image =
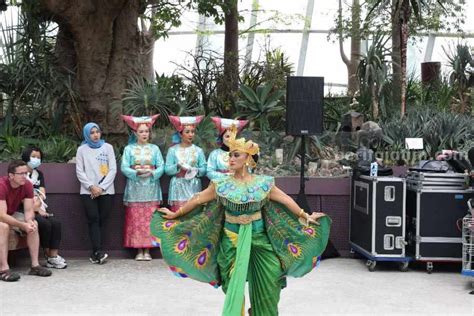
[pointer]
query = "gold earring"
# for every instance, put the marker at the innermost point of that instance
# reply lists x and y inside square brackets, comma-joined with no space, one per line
[246,164]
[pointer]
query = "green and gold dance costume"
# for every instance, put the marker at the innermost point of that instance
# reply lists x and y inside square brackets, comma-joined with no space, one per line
[242,236]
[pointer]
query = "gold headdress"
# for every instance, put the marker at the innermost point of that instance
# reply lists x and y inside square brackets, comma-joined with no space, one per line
[242,145]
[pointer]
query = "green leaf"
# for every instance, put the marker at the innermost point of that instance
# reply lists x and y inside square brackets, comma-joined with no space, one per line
[249,94]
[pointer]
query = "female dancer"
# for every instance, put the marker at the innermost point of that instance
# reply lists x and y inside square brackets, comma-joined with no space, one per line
[185,162]
[142,164]
[249,230]
[218,161]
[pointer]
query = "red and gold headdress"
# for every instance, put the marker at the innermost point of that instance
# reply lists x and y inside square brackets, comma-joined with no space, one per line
[243,145]
[135,121]
[179,122]
[222,124]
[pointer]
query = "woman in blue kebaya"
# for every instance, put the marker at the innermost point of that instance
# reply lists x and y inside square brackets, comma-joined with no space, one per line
[185,162]
[142,164]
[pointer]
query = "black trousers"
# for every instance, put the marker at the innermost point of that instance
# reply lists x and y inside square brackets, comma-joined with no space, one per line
[49,229]
[97,212]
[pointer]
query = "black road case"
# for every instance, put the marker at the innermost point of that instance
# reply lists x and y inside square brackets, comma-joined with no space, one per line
[433,224]
[437,181]
[377,219]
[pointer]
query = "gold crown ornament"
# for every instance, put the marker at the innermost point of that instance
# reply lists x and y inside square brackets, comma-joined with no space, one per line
[243,145]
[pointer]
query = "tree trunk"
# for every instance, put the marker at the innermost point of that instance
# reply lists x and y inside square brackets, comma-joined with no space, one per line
[66,64]
[64,50]
[353,82]
[375,102]
[405,15]
[146,46]
[353,63]
[465,101]
[104,34]
[396,49]
[231,57]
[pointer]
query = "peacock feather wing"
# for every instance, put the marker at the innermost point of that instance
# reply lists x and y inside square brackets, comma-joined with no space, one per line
[297,244]
[190,243]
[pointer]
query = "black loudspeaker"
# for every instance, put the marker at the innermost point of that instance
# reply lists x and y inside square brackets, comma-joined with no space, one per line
[304,110]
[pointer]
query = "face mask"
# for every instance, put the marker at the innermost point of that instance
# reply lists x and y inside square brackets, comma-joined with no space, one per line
[34,162]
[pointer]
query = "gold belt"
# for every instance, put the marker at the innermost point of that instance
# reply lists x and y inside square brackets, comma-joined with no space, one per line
[242,219]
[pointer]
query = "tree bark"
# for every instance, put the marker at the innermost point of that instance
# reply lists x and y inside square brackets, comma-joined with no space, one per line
[65,112]
[353,82]
[146,48]
[231,57]
[104,34]
[353,63]
[145,52]
[396,49]
[375,102]
[405,16]
[64,50]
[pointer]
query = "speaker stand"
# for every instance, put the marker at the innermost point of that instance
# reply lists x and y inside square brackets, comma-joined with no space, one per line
[301,200]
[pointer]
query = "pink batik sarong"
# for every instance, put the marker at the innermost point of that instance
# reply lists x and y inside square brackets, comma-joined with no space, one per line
[137,224]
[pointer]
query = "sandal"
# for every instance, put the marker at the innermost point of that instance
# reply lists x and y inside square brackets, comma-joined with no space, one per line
[40,271]
[9,276]
[147,257]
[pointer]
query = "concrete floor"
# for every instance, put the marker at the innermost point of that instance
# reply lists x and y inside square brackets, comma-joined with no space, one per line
[338,286]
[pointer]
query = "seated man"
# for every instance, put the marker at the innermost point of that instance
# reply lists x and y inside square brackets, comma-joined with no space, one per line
[14,189]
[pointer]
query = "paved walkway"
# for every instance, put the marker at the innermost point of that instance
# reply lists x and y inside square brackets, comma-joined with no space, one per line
[338,286]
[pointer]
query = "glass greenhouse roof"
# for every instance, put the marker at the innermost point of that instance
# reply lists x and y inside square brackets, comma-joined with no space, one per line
[281,24]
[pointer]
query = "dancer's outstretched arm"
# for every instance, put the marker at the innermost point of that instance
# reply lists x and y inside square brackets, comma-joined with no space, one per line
[202,197]
[279,196]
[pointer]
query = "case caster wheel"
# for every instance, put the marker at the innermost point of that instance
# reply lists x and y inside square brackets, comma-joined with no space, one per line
[429,267]
[371,265]
[403,266]
[353,254]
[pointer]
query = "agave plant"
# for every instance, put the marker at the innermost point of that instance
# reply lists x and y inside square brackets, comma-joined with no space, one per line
[447,131]
[261,105]
[439,130]
[182,98]
[440,98]
[462,74]
[146,98]
[11,147]
[206,134]
[58,149]
[373,71]
[55,148]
